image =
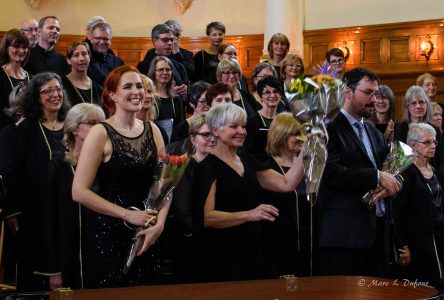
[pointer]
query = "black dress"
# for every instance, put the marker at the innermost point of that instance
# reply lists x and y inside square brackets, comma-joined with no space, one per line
[124,180]
[257,130]
[231,253]
[290,238]
[418,222]
[35,146]
[76,95]
[206,65]
[64,223]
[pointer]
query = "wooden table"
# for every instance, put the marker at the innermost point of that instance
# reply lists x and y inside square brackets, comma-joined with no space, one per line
[328,287]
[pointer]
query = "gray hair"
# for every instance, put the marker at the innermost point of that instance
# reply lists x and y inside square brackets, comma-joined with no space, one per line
[15,102]
[419,92]
[435,106]
[93,21]
[79,113]
[259,68]
[222,114]
[152,73]
[159,29]
[417,130]
[174,25]
[103,26]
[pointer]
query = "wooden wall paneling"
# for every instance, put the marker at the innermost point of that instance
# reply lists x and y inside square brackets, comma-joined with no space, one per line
[317,53]
[398,49]
[370,51]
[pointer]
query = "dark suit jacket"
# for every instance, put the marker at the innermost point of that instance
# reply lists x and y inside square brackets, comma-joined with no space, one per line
[344,221]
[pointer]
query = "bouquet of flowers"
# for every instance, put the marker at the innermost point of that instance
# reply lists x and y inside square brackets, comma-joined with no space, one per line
[316,98]
[169,170]
[401,156]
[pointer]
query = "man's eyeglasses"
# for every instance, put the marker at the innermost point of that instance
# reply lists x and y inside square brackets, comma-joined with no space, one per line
[30,29]
[102,39]
[337,62]
[369,94]
[228,73]
[167,40]
[428,143]
[50,91]
[205,135]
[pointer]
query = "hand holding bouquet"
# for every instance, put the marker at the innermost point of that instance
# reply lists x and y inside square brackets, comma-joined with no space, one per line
[168,172]
[401,156]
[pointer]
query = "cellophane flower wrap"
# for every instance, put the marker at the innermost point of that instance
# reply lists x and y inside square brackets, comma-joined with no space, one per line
[169,170]
[316,99]
[401,156]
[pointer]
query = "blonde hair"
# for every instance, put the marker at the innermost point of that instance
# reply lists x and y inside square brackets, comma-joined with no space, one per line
[79,113]
[228,65]
[277,37]
[148,84]
[421,78]
[288,60]
[283,126]
[196,122]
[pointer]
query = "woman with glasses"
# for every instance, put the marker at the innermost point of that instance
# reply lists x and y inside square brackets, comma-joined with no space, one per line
[261,71]
[278,48]
[384,112]
[430,85]
[336,60]
[229,51]
[169,108]
[80,87]
[14,52]
[64,217]
[228,200]
[206,60]
[269,89]
[188,235]
[197,103]
[121,154]
[229,72]
[417,213]
[38,141]
[292,68]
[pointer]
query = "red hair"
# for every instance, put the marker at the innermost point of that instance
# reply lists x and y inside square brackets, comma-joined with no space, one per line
[110,86]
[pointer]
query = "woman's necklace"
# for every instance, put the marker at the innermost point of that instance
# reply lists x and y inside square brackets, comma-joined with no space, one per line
[262,118]
[9,77]
[80,95]
[46,140]
[237,161]
[436,195]
[241,99]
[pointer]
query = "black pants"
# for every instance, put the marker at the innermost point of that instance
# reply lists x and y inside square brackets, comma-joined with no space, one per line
[351,261]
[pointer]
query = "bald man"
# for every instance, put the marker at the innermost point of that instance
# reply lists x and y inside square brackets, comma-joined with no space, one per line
[30,27]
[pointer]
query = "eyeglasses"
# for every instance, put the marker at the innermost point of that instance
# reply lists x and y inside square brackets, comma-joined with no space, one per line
[231,53]
[205,135]
[228,73]
[163,70]
[336,62]
[90,123]
[167,40]
[102,39]
[50,91]
[30,29]
[420,103]
[369,94]
[381,97]
[428,143]
[268,93]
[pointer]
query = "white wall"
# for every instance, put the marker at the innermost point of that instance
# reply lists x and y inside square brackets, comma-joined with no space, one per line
[321,14]
[135,18]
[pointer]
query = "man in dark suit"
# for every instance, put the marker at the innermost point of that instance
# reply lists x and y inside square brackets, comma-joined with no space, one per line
[351,236]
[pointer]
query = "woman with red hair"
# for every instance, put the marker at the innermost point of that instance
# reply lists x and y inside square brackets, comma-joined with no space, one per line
[121,154]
